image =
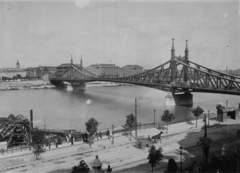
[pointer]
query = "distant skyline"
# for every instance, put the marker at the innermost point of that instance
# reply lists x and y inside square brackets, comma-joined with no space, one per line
[121,32]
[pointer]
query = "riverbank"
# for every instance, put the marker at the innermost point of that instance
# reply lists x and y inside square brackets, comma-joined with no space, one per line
[23,85]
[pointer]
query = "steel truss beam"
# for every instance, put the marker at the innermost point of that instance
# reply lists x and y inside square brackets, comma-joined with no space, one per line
[175,75]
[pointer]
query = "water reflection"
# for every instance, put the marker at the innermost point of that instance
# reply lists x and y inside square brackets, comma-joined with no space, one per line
[109,105]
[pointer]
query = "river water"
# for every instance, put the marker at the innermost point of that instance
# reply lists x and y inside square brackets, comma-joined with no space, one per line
[61,109]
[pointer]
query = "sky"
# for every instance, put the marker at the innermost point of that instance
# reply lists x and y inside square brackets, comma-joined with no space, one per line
[120,32]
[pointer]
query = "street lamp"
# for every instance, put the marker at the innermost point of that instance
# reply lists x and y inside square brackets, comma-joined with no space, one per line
[180,148]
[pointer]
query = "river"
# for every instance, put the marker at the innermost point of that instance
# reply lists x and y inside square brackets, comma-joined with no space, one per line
[61,109]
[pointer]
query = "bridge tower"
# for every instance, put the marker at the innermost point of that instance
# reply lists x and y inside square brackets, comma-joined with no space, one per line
[185,98]
[71,60]
[185,76]
[81,61]
[173,66]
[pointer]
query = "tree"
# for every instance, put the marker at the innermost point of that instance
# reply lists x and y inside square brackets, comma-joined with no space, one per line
[92,126]
[155,156]
[197,112]
[204,144]
[11,117]
[82,167]
[219,108]
[130,122]
[167,117]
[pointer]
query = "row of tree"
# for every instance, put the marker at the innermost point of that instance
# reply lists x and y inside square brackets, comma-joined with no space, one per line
[155,155]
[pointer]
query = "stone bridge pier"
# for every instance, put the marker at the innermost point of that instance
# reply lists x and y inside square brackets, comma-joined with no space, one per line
[78,86]
[59,84]
[185,99]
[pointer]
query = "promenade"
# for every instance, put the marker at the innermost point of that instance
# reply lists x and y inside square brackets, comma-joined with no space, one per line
[123,155]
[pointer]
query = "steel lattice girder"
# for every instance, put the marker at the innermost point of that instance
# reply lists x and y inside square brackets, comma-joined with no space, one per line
[175,75]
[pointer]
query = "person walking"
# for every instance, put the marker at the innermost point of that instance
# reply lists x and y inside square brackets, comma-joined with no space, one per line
[49,142]
[56,141]
[100,134]
[109,169]
[108,133]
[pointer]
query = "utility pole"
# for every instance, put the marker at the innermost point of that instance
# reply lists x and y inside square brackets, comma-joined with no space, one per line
[136,119]
[30,129]
[154,117]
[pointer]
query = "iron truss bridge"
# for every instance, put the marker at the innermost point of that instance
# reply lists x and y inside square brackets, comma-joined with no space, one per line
[176,75]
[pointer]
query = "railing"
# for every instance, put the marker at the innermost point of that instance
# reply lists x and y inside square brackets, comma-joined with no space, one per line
[13,149]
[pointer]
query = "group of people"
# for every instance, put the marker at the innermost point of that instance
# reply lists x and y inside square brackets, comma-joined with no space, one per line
[49,139]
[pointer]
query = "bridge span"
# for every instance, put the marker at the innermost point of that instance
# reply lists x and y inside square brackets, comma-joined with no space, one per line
[178,76]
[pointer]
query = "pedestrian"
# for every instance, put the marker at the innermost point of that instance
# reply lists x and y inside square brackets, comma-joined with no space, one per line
[67,138]
[108,133]
[49,142]
[96,135]
[149,138]
[56,141]
[87,136]
[83,137]
[109,169]
[100,134]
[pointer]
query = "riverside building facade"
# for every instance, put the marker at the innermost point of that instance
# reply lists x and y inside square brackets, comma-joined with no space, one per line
[11,72]
[104,70]
[129,70]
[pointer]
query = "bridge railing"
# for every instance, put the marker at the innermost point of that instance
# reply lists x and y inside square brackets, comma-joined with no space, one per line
[18,148]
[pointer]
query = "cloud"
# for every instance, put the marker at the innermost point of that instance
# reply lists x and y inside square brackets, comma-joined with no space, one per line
[82,3]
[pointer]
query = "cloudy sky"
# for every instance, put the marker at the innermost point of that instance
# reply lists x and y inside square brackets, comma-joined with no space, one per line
[119,31]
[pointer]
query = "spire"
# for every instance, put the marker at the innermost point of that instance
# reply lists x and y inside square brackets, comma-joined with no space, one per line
[186,51]
[172,50]
[173,44]
[17,64]
[81,61]
[71,60]
[186,45]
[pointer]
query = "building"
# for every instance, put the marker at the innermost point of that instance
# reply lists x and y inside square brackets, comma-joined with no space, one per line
[11,72]
[129,70]
[31,72]
[105,70]
[63,67]
[46,72]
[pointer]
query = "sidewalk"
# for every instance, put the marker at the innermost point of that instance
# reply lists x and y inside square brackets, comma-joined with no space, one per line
[67,150]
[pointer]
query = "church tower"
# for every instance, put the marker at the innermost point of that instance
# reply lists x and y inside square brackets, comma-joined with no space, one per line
[17,65]
[81,62]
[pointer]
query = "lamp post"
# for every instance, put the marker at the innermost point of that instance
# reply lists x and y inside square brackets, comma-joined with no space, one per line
[180,148]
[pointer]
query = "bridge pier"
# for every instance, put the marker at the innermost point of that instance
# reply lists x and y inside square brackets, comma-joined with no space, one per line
[58,84]
[78,86]
[185,99]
